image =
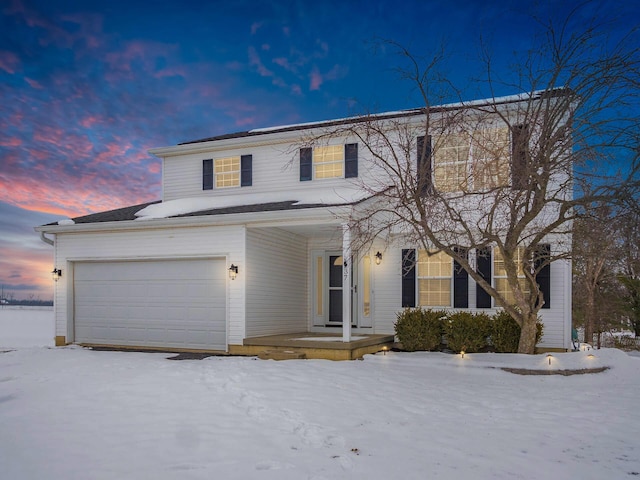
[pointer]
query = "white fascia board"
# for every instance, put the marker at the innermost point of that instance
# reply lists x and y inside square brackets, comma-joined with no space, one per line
[307,216]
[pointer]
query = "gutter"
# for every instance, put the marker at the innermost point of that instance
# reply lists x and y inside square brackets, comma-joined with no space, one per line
[45,239]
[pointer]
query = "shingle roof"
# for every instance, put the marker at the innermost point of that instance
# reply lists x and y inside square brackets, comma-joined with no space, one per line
[128,213]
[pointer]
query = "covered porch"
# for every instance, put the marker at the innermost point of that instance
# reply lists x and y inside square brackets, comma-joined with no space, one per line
[325,345]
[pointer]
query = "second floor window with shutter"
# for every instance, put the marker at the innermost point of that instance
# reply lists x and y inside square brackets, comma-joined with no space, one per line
[490,152]
[451,166]
[227,172]
[328,162]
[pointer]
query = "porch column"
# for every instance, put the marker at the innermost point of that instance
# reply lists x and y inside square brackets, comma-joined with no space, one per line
[346,283]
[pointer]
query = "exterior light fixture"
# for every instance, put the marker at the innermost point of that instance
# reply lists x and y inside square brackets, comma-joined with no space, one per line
[591,356]
[378,258]
[549,357]
[56,274]
[233,271]
[462,354]
[384,350]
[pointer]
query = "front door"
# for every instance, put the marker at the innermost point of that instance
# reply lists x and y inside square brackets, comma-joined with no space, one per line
[334,264]
[327,290]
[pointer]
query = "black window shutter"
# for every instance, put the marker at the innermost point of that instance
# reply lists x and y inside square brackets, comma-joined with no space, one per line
[207,174]
[246,173]
[425,185]
[351,160]
[519,157]
[408,278]
[543,278]
[483,262]
[460,282]
[305,164]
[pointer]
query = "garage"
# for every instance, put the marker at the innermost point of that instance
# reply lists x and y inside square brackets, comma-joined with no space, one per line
[158,303]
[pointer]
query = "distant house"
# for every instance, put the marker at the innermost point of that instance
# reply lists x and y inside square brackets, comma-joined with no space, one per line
[249,241]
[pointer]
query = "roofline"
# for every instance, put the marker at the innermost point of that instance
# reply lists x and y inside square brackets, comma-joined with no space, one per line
[504,100]
[323,215]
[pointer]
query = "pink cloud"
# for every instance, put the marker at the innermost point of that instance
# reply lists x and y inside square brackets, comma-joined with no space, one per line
[254,60]
[10,142]
[33,83]
[255,26]
[9,62]
[315,79]
[296,90]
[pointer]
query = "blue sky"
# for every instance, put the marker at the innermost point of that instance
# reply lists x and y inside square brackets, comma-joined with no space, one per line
[86,88]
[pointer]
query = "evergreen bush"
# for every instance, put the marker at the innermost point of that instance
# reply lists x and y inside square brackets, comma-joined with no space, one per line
[467,332]
[419,329]
[505,334]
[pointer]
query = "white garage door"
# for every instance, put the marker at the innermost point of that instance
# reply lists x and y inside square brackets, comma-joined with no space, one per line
[166,303]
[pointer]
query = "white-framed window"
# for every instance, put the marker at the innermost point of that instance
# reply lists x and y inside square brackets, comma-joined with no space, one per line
[227,172]
[500,275]
[476,161]
[435,277]
[451,162]
[490,151]
[328,161]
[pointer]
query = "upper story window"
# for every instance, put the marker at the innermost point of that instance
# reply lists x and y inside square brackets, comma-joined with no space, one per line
[227,172]
[331,161]
[451,172]
[490,151]
[328,161]
[472,162]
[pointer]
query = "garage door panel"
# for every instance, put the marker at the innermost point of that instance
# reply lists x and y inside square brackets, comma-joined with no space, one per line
[168,303]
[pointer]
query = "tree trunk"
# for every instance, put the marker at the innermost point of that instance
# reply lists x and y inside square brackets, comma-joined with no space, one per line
[528,335]
[589,320]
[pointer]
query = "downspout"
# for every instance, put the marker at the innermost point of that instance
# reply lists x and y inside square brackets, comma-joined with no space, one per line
[45,239]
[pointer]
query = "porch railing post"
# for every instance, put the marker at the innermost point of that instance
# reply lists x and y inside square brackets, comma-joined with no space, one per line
[346,283]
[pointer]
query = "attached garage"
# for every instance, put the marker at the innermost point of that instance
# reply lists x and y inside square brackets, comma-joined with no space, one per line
[156,303]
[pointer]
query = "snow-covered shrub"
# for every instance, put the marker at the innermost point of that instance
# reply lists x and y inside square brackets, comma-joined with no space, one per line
[419,329]
[467,332]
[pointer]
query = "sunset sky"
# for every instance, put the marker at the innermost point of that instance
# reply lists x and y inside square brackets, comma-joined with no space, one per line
[87,87]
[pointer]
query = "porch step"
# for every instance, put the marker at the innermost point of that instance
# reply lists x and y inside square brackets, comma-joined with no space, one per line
[281,355]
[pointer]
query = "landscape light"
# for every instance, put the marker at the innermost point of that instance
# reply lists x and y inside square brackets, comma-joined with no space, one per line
[462,354]
[549,357]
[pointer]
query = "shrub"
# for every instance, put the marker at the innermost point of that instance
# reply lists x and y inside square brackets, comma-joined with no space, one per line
[419,329]
[505,334]
[467,332]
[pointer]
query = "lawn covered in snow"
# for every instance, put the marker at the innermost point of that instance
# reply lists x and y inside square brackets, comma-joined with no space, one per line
[72,413]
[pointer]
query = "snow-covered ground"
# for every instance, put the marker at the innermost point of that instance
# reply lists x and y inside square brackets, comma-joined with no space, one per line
[71,413]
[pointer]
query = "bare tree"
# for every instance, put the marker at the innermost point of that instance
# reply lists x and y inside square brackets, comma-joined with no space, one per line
[507,174]
[596,249]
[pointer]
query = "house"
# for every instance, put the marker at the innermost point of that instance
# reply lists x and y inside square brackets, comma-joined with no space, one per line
[252,239]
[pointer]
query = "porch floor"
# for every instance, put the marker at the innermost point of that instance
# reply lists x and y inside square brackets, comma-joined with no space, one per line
[315,345]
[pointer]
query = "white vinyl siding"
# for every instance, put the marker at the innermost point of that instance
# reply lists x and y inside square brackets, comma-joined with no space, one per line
[276,282]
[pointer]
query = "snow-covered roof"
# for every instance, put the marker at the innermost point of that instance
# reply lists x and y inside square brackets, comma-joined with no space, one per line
[385,115]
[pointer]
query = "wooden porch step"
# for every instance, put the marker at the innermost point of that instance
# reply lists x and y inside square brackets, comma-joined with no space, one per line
[281,355]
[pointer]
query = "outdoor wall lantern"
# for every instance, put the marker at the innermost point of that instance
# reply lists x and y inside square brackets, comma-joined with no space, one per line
[56,274]
[378,258]
[233,271]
